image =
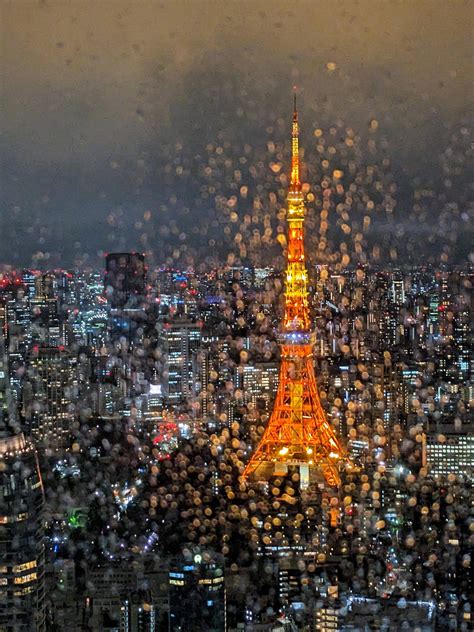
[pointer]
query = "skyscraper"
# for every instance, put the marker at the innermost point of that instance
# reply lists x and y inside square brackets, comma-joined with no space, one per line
[197,596]
[125,279]
[21,537]
[181,340]
[449,450]
[21,528]
[298,434]
[49,394]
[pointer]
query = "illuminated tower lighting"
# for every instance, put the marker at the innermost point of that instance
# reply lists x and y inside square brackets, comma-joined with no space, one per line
[298,434]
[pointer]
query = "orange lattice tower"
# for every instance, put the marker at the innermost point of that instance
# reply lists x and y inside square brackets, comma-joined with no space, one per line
[298,433]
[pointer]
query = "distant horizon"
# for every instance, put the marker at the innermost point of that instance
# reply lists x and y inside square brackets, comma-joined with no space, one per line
[6,269]
[133,134]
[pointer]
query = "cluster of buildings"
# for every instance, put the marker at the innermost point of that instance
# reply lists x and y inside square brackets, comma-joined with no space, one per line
[192,345]
[166,354]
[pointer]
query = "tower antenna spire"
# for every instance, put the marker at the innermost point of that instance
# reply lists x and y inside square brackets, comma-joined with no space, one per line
[295,184]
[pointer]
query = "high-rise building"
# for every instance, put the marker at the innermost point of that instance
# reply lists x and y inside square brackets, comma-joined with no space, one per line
[44,306]
[4,382]
[202,366]
[138,613]
[181,340]
[197,597]
[21,537]
[289,584]
[259,384]
[398,291]
[29,280]
[18,319]
[298,434]
[49,394]
[462,341]
[449,450]
[125,279]
[328,618]
[21,526]
[108,603]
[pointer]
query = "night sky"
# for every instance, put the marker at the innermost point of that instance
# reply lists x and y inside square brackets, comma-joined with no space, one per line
[112,111]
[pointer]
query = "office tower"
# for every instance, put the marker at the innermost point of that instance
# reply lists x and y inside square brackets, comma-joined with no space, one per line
[449,450]
[387,380]
[3,317]
[213,373]
[29,280]
[197,597]
[462,341]
[202,367]
[125,279]
[329,618]
[21,528]
[45,286]
[298,434]
[15,318]
[290,585]
[181,340]
[49,395]
[47,324]
[108,599]
[21,537]
[138,613]
[44,304]
[259,384]
[397,293]
[18,319]
[4,383]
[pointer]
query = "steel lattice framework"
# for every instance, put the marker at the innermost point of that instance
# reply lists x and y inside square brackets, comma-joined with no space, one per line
[298,433]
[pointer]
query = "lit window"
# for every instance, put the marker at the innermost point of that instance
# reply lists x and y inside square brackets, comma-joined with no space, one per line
[25,579]
[24,567]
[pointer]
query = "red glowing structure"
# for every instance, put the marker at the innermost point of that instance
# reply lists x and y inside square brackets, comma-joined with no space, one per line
[298,434]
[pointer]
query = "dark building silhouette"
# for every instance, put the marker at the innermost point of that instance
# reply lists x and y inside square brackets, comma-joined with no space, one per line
[125,279]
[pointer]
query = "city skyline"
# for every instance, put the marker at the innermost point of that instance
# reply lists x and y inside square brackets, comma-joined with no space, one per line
[236,371]
[138,434]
